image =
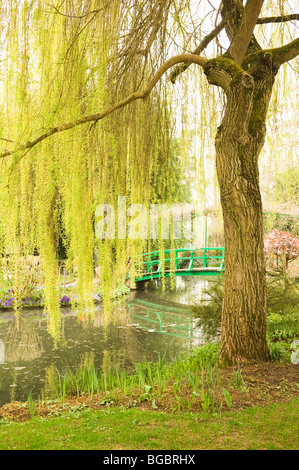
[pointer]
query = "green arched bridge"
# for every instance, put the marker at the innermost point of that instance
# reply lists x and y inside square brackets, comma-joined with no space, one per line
[180,262]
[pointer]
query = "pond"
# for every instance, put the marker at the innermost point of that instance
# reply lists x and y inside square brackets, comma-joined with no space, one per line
[144,324]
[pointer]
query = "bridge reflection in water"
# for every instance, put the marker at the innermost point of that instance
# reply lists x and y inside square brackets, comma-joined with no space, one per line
[165,319]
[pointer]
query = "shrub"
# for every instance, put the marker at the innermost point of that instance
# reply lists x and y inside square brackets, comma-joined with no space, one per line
[282,295]
[208,312]
[282,327]
[201,357]
[283,300]
[278,351]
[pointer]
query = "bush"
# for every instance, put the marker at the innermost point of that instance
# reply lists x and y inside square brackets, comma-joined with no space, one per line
[278,351]
[201,357]
[283,301]
[283,296]
[282,328]
[208,313]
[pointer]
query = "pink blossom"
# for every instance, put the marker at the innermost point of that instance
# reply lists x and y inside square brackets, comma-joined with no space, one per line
[282,245]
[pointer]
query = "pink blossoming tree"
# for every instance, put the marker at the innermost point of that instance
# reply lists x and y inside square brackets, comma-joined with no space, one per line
[282,247]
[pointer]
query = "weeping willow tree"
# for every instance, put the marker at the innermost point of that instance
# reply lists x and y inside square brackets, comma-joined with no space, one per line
[88,114]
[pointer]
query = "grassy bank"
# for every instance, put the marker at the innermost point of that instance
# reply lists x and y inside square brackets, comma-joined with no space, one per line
[189,403]
[270,427]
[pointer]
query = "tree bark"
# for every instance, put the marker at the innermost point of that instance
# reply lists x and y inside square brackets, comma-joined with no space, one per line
[239,141]
[244,311]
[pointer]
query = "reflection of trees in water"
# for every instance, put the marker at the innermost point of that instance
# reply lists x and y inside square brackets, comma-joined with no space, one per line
[13,386]
[2,352]
[117,315]
[87,360]
[124,350]
[134,342]
[49,389]
[133,348]
[22,342]
[129,348]
[122,347]
[126,353]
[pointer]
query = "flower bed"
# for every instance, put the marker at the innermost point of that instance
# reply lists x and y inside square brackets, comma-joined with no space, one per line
[36,299]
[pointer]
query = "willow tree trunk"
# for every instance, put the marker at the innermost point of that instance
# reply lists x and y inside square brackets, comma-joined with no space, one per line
[239,141]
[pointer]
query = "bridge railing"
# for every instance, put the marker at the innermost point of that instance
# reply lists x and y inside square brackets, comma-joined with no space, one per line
[177,257]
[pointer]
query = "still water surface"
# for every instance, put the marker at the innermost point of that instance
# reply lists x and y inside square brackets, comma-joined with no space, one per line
[145,324]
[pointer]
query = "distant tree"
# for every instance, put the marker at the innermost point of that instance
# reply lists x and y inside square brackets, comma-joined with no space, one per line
[286,188]
[283,247]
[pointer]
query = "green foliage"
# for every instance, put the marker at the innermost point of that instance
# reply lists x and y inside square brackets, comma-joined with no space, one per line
[286,195]
[9,299]
[48,193]
[48,199]
[281,331]
[67,297]
[200,357]
[282,327]
[150,377]
[227,397]
[31,405]
[283,295]
[278,351]
[287,185]
[236,379]
[283,309]
[284,222]
[178,189]
[209,399]
[120,291]
[208,312]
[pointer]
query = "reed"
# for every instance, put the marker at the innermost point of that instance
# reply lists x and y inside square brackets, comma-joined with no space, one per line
[31,405]
[194,375]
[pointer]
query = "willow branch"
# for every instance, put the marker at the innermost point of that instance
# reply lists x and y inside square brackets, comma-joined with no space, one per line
[204,43]
[243,35]
[278,19]
[273,58]
[182,58]
[285,53]
[78,16]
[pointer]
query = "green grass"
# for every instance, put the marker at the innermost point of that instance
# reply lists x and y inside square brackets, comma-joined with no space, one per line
[271,427]
[145,377]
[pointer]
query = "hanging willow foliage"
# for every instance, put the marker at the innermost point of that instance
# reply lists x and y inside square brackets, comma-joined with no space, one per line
[66,59]
[60,65]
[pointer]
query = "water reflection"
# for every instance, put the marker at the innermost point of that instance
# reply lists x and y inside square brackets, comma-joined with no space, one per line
[187,290]
[2,355]
[144,325]
[22,341]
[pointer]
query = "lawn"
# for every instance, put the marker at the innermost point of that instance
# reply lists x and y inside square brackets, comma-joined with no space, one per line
[265,427]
